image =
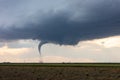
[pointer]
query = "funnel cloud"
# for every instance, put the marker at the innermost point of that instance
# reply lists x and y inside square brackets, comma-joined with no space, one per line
[63,24]
[40,45]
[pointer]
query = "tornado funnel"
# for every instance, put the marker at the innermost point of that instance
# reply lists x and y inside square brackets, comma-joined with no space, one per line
[40,45]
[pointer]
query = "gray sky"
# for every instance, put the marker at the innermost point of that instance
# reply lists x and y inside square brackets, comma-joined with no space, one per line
[75,31]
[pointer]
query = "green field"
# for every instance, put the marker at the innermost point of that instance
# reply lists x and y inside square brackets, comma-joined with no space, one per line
[63,64]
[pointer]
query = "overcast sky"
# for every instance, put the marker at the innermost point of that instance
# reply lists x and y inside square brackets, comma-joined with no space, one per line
[68,31]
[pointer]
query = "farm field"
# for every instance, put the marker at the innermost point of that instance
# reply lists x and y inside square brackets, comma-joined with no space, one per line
[57,71]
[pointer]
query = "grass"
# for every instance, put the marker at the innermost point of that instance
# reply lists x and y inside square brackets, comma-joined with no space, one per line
[63,64]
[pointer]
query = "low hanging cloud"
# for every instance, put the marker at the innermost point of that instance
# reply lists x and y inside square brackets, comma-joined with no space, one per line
[76,21]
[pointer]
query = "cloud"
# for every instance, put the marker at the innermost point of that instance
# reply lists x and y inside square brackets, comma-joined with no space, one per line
[11,51]
[78,21]
[109,42]
[65,59]
[8,54]
[48,59]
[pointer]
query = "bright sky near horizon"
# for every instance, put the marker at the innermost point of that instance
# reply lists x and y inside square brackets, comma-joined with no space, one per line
[74,31]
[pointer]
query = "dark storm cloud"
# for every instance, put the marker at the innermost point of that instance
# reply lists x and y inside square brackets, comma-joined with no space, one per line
[80,20]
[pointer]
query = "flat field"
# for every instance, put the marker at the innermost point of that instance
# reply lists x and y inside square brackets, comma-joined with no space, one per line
[60,71]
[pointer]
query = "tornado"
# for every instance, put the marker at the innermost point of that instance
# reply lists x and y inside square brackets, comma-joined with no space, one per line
[40,45]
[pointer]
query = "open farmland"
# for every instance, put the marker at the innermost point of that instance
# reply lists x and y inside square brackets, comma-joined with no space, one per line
[56,71]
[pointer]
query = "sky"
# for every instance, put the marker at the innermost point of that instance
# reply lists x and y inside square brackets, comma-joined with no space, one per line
[63,30]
